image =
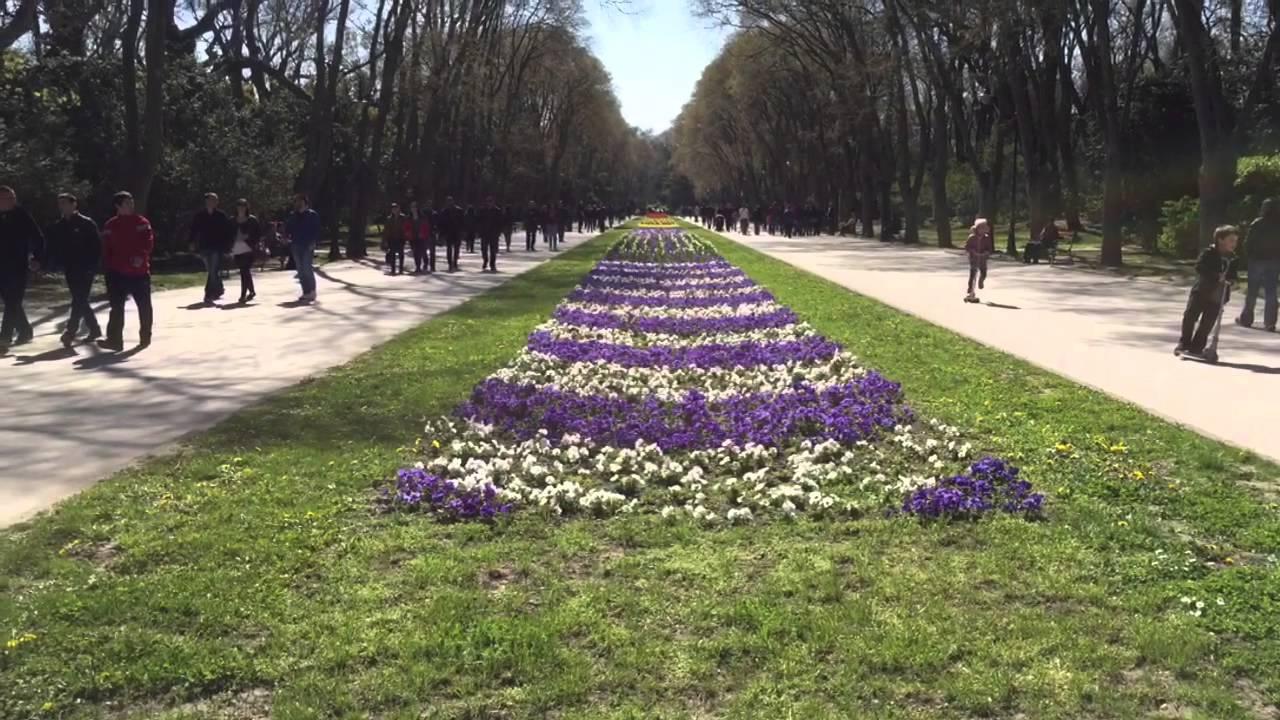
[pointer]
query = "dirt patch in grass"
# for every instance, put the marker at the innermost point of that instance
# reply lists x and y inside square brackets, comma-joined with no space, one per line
[102,554]
[594,565]
[497,579]
[1255,702]
[250,704]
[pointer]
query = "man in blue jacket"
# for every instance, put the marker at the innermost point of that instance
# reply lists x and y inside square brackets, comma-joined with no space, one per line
[303,228]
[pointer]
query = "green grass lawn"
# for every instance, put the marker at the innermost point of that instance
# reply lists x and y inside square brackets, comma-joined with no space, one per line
[251,576]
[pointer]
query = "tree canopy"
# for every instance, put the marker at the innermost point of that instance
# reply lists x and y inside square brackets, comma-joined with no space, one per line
[1101,108]
[356,102]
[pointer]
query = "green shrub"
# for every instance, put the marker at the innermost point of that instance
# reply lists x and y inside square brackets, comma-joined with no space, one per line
[1180,227]
[1258,175]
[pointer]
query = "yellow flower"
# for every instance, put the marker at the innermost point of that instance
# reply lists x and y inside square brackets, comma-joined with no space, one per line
[1064,447]
[1119,448]
[1139,475]
[47,707]
[1229,560]
[435,444]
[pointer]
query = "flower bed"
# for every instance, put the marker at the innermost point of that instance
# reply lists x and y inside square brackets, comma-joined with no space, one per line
[668,382]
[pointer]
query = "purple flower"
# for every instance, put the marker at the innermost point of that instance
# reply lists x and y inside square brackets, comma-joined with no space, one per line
[677,326]
[417,489]
[747,354]
[859,410]
[604,297]
[991,485]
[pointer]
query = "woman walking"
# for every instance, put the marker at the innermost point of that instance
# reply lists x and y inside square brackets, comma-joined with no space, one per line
[245,248]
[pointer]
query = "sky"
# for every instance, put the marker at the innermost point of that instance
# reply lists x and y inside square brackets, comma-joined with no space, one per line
[655,54]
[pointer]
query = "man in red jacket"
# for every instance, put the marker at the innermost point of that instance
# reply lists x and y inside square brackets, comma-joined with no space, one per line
[127,242]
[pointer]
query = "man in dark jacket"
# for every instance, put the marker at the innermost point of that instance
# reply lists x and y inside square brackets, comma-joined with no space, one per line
[21,245]
[489,222]
[74,243]
[508,219]
[470,227]
[451,223]
[532,221]
[212,233]
[1263,252]
[1215,270]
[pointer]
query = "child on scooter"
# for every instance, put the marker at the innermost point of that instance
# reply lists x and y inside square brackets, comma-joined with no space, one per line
[1215,271]
[980,245]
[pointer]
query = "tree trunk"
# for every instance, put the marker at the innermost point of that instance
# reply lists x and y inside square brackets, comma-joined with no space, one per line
[159,17]
[1215,116]
[938,175]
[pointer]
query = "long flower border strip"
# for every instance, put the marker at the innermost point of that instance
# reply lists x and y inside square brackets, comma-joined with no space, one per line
[668,353]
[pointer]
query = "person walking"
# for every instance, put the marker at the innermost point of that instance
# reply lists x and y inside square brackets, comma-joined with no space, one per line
[1215,271]
[550,226]
[1262,250]
[211,236]
[74,243]
[21,245]
[744,219]
[451,221]
[979,247]
[419,230]
[565,220]
[489,220]
[469,228]
[127,244]
[303,228]
[244,249]
[531,222]
[508,219]
[393,238]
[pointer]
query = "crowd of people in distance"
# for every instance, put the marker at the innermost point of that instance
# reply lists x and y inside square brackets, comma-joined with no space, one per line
[779,218]
[121,250]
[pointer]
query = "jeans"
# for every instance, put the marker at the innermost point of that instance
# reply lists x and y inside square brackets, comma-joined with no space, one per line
[1198,320]
[244,261]
[1264,276]
[419,247]
[453,250]
[304,260]
[507,234]
[977,270]
[80,285]
[531,238]
[550,234]
[13,289]
[213,283]
[395,252]
[119,289]
[489,251]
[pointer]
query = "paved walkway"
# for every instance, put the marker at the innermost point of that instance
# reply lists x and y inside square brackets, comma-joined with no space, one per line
[72,417]
[1113,334]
